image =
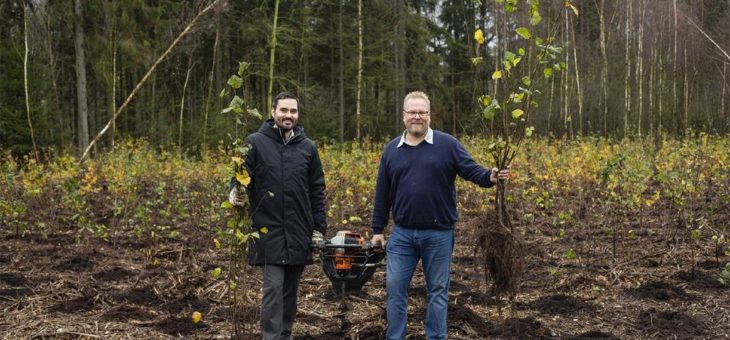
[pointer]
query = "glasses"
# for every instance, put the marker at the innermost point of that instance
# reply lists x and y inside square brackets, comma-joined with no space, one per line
[417,113]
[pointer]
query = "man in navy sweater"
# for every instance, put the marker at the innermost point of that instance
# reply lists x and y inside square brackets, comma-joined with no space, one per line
[416,181]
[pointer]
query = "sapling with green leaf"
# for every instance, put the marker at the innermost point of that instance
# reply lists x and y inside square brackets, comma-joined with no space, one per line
[517,79]
[237,233]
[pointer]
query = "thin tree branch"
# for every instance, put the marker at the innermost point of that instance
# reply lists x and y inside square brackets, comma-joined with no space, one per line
[144,79]
[707,36]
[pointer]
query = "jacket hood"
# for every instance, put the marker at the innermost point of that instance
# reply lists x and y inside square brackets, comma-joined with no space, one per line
[269,129]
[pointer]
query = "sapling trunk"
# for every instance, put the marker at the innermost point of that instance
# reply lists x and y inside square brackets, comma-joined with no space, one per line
[516,77]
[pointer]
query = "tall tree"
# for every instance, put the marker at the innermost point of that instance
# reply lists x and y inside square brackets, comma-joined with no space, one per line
[604,70]
[272,55]
[81,97]
[359,67]
[25,80]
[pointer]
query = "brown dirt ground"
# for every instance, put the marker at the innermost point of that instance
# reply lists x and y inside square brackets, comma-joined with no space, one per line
[54,288]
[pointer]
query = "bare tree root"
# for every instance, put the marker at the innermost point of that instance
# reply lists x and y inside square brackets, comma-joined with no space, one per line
[502,253]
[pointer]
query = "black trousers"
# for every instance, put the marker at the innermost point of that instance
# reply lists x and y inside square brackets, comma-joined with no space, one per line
[279,303]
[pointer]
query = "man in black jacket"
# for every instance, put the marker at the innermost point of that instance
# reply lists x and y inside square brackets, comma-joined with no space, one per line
[287,197]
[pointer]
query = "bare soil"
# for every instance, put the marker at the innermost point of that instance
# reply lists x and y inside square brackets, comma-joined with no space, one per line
[52,287]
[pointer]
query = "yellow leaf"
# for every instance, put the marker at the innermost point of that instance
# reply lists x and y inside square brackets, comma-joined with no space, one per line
[237,160]
[496,75]
[572,7]
[243,178]
[217,243]
[197,317]
[479,36]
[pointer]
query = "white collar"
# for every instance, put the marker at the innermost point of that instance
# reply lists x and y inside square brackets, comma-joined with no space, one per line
[429,138]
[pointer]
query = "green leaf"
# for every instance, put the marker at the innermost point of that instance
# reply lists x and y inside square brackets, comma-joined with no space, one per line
[255,113]
[509,56]
[535,16]
[516,61]
[526,80]
[236,102]
[521,51]
[242,66]
[264,230]
[235,81]
[489,112]
[224,92]
[239,235]
[226,205]
[524,32]
[548,72]
[507,65]
[517,113]
[216,272]
[570,254]
[529,131]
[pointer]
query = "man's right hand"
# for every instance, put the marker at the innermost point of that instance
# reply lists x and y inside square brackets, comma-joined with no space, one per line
[378,240]
[237,197]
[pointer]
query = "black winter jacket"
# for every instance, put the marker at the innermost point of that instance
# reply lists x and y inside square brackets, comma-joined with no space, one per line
[286,195]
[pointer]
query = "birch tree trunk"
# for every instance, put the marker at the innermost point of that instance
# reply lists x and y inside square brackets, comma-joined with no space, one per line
[81,98]
[639,69]
[579,92]
[604,70]
[113,96]
[627,93]
[567,130]
[359,67]
[211,79]
[342,75]
[182,103]
[25,80]
[272,56]
[685,86]
[676,61]
[722,99]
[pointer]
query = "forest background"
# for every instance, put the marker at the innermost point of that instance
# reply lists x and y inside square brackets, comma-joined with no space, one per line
[634,68]
[623,199]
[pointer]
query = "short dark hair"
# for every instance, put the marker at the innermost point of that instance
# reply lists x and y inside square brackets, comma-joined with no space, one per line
[283,95]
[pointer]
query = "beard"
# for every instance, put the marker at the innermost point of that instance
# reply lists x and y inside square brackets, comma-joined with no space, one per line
[417,130]
[285,125]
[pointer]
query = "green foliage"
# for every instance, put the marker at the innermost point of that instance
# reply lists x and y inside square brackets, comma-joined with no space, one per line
[725,276]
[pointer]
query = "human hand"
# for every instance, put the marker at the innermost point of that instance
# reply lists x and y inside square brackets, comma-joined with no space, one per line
[378,240]
[499,175]
[237,197]
[317,237]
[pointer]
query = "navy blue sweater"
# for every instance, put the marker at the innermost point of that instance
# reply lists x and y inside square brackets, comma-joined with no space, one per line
[417,183]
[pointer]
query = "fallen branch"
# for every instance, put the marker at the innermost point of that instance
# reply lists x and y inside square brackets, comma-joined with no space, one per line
[707,36]
[144,79]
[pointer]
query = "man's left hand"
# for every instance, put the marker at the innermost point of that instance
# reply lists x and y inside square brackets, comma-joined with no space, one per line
[317,239]
[499,174]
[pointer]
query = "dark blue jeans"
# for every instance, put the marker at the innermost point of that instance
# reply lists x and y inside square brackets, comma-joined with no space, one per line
[405,248]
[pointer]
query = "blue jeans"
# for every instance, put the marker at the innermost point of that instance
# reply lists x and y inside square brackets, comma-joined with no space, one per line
[405,248]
